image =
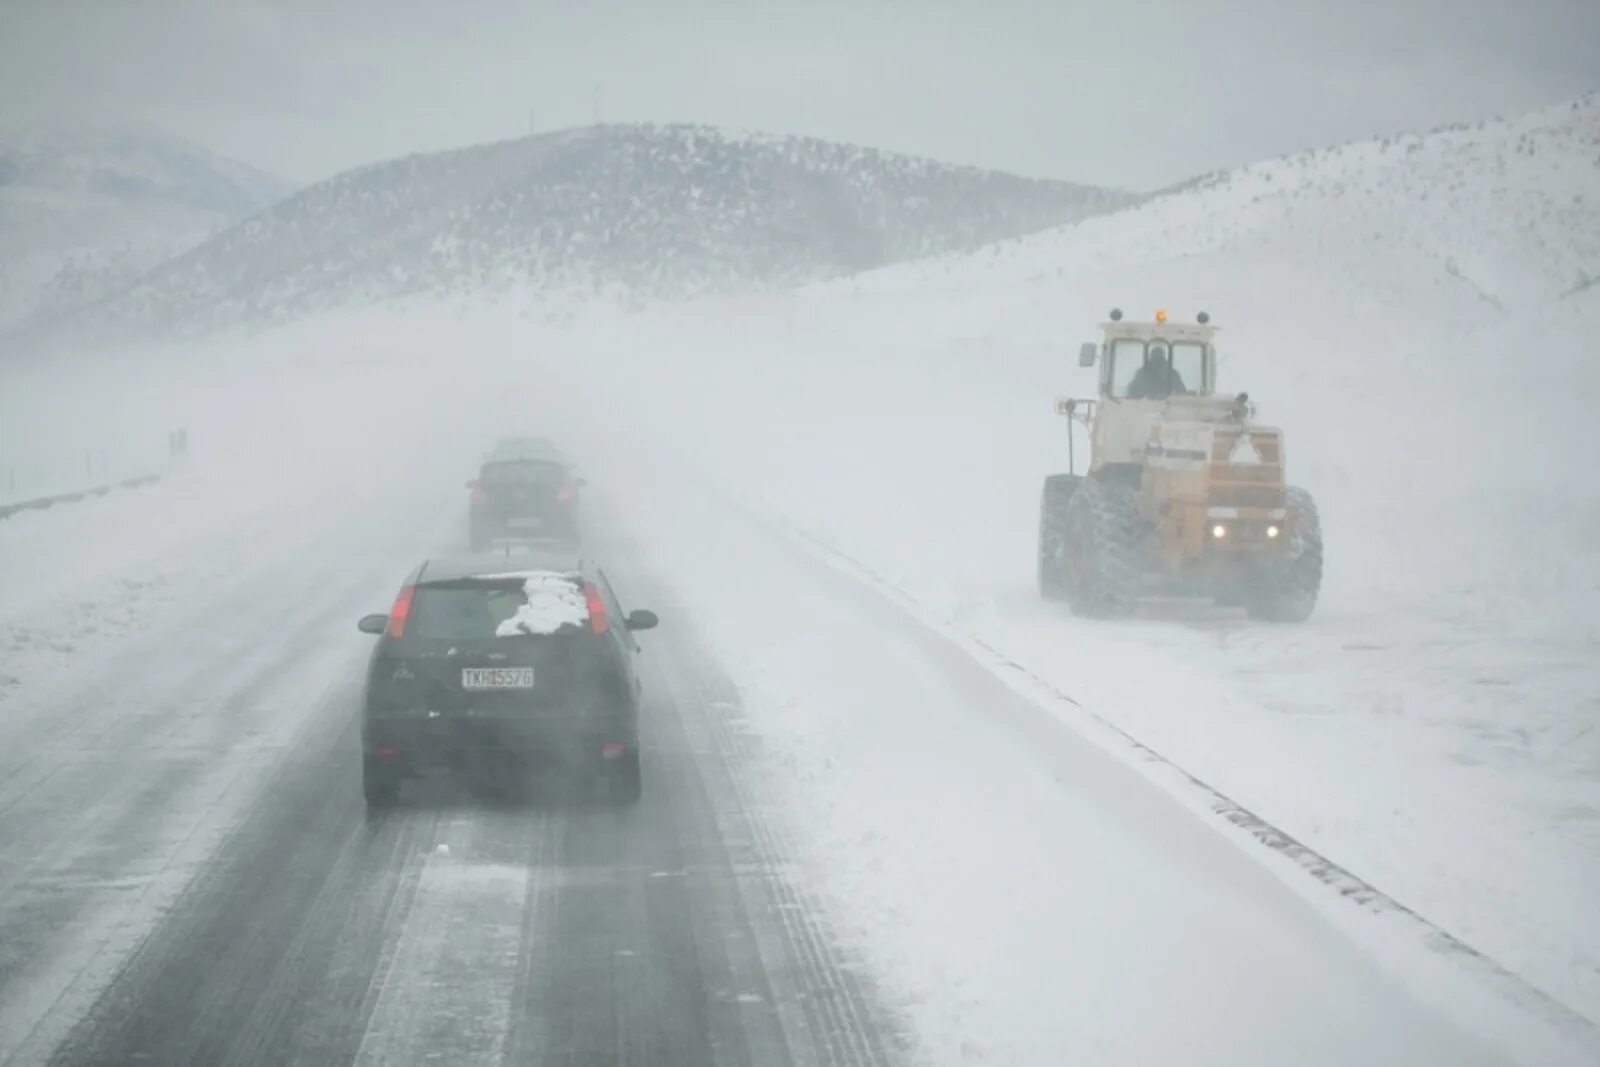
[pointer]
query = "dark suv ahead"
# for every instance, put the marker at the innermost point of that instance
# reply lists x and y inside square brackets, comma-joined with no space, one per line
[525,491]
[488,666]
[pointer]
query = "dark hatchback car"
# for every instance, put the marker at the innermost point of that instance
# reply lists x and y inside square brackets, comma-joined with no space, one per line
[525,491]
[497,667]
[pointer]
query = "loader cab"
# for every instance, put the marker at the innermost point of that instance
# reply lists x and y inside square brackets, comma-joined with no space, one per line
[1131,356]
[1154,369]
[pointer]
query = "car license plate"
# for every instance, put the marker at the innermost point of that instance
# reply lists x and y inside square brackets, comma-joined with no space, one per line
[525,522]
[477,678]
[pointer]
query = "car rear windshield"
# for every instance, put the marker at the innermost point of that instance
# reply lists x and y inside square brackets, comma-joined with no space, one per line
[523,472]
[482,610]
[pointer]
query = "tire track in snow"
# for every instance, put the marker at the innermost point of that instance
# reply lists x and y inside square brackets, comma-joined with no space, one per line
[124,793]
[826,1007]
[340,933]
[95,879]
[448,982]
[80,906]
[106,941]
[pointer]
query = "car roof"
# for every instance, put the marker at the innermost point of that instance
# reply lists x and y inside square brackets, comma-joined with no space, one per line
[520,561]
[512,448]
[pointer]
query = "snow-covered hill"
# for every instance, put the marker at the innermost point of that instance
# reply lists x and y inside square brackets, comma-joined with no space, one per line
[632,211]
[86,208]
[1390,302]
[1503,213]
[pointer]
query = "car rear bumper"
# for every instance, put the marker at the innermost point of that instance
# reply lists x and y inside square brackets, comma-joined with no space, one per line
[425,742]
[525,523]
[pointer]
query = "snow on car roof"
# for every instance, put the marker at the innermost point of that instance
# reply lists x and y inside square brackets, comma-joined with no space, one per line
[556,600]
[524,448]
[524,561]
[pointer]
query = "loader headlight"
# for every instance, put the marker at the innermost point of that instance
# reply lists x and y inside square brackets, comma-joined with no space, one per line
[1272,531]
[1219,531]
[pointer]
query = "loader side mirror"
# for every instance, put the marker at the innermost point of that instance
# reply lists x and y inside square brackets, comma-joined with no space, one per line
[1088,353]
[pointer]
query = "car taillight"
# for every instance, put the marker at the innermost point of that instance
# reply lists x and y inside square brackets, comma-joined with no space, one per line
[479,496]
[567,495]
[599,621]
[401,611]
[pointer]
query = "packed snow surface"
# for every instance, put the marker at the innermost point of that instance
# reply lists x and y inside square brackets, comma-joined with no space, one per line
[555,601]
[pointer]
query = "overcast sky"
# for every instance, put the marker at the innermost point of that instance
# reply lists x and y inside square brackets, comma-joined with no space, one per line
[1124,92]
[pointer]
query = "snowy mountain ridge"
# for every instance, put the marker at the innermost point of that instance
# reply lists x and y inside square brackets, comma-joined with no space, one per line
[634,212]
[87,207]
[1458,266]
[1506,211]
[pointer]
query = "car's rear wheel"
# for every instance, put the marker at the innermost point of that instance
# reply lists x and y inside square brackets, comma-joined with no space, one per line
[381,787]
[624,780]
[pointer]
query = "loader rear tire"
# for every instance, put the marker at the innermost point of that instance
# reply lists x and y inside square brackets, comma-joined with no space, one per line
[1058,490]
[1287,591]
[1102,550]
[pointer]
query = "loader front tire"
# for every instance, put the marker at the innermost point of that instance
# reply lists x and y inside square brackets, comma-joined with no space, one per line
[1287,591]
[1058,491]
[1101,549]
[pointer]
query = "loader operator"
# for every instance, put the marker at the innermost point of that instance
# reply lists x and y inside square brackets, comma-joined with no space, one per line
[1157,379]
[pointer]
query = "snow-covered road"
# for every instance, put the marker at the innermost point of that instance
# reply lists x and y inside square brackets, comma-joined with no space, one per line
[188,874]
[859,845]
[1037,888]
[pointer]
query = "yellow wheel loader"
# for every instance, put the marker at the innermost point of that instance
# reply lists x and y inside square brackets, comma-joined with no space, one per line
[1185,492]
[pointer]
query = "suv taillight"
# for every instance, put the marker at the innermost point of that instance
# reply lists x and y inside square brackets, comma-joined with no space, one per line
[567,495]
[599,620]
[401,611]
